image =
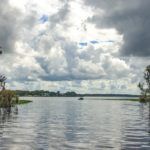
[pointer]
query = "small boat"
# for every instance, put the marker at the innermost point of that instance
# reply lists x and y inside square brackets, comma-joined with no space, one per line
[81,98]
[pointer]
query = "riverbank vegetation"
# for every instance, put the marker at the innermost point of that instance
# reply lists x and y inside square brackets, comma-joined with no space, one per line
[9,98]
[20,102]
[145,86]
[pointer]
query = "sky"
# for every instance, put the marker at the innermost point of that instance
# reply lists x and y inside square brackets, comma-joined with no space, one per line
[86,46]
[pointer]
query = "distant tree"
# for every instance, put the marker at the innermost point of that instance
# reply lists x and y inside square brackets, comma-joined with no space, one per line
[1,51]
[147,78]
[58,93]
[70,94]
[145,86]
[2,77]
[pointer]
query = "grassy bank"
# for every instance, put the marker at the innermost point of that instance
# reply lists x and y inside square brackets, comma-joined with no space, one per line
[23,102]
[136,100]
[9,98]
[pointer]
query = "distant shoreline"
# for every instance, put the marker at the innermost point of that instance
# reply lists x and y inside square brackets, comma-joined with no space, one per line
[81,95]
[42,93]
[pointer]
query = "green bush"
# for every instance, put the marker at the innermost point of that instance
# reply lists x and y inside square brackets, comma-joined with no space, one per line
[144,99]
[8,98]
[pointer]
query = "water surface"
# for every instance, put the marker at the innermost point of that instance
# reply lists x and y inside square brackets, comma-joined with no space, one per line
[56,123]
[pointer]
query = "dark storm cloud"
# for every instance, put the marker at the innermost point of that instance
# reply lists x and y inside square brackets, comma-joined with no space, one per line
[8,26]
[131,18]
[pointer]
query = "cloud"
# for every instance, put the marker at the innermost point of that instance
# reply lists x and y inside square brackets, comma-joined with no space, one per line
[60,42]
[60,16]
[9,17]
[114,67]
[129,18]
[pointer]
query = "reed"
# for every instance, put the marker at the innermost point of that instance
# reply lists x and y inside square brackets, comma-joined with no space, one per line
[8,98]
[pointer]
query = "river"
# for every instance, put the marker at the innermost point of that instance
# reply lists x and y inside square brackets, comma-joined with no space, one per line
[60,123]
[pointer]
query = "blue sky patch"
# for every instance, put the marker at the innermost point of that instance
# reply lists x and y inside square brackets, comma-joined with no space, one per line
[44,19]
[94,42]
[83,43]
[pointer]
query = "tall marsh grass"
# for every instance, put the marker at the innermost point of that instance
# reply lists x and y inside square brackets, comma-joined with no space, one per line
[8,98]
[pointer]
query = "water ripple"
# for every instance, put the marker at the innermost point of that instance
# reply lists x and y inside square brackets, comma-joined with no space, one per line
[67,124]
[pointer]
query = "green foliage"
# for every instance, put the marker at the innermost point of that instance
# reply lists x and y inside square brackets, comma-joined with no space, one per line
[145,86]
[23,102]
[8,98]
[44,93]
